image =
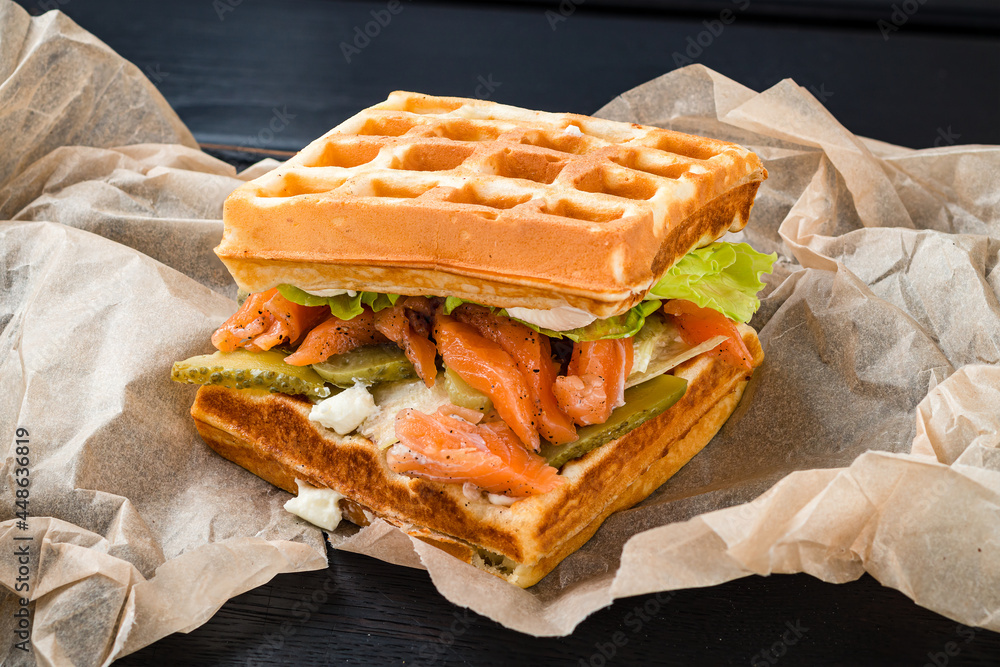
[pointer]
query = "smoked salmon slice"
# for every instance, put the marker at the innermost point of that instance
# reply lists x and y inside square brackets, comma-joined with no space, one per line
[447,447]
[489,369]
[700,324]
[403,325]
[336,336]
[532,353]
[264,320]
[595,381]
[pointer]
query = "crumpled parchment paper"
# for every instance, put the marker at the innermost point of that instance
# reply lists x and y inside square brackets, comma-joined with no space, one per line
[868,440]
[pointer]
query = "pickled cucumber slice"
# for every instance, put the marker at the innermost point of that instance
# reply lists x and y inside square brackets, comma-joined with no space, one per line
[251,370]
[368,365]
[463,394]
[642,402]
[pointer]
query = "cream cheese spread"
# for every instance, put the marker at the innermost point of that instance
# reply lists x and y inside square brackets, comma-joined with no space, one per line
[331,292]
[345,411]
[562,318]
[318,506]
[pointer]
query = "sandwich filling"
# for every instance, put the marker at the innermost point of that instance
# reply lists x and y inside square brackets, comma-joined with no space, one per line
[494,399]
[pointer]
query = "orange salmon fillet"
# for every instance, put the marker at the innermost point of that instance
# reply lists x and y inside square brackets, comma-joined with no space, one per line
[489,369]
[532,353]
[700,324]
[444,448]
[264,320]
[402,325]
[595,381]
[336,336]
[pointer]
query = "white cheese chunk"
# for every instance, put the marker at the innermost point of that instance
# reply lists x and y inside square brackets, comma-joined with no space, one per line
[318,506]
[391,397]
[504,501]
[345,411]
[562,318]
[473,492]
[573,129]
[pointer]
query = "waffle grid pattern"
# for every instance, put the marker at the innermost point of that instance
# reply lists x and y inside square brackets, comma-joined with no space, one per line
[495,204]
[490,159]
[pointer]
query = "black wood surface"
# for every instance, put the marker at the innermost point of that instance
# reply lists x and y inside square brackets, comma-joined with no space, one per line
[967,15]
[235,69]
[273,75]
[362,611]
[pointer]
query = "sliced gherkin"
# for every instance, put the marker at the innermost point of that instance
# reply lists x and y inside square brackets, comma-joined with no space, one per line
[367,365]
[242,369]
[462,394]
[642,402]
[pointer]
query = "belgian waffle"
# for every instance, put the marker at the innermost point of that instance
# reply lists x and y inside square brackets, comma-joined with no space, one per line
[492,203]
[271,436]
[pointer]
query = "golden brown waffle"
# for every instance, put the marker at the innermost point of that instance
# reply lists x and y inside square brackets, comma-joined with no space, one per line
[271,436]
[492,203]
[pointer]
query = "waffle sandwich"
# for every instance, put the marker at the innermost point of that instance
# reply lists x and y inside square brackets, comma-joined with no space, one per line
[489,326]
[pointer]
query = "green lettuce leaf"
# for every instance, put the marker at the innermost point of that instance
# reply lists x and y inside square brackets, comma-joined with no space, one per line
[722,276]
[343,306]
[453,302]
[378,301]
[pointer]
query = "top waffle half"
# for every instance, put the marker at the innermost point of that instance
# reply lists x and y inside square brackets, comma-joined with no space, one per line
[492,203]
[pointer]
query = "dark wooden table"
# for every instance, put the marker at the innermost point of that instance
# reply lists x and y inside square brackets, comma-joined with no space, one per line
[252,78]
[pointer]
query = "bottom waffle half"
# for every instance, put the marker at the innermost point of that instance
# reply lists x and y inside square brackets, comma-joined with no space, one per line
[271,435]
